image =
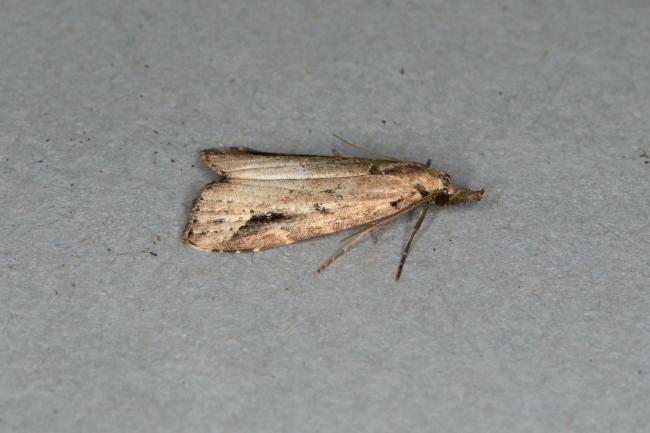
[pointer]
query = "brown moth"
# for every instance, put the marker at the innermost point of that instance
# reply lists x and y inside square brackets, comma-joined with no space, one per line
[267,200]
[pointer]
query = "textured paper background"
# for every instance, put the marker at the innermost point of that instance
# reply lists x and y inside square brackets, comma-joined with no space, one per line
[527,312]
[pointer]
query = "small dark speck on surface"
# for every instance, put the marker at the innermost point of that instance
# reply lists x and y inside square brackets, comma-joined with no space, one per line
[108,249]
[155,131]
[172,160]
[47,140]
[153,254]
[500,93]
[383,121]
[401,71]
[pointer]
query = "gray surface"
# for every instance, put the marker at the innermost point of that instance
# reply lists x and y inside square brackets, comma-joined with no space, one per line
[531,314]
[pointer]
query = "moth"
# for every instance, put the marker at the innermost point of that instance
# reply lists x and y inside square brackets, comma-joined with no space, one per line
[267,200]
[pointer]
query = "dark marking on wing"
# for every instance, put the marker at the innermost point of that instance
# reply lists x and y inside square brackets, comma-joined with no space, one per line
[422,190]
[401,169]
[259,223]
[266,218]
[320,208]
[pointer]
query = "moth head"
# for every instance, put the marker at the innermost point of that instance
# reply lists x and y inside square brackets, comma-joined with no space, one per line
[450,194]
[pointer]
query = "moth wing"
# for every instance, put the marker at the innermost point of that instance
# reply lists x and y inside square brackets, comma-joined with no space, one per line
[241,163]
[252,214]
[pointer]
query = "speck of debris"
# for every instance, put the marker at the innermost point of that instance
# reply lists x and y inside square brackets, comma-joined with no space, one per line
[401,71]
[72,184]
[500,93]
[153,254]
[47,140]
[40,161]
[155,152]
[383,121]
[141,96]
[146,66]
[172,160]
[108,249]
[155,131]
[193,165]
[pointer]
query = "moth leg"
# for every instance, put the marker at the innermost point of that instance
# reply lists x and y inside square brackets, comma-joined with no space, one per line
[407,247]
[344,249]
[375,235]
[335,152]
[355,238]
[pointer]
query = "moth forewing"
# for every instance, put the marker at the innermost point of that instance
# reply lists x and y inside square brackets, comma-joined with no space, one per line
[267,200]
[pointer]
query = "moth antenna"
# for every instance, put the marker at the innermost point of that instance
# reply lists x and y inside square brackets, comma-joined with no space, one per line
[407,247]
[356,146]
[355,238]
